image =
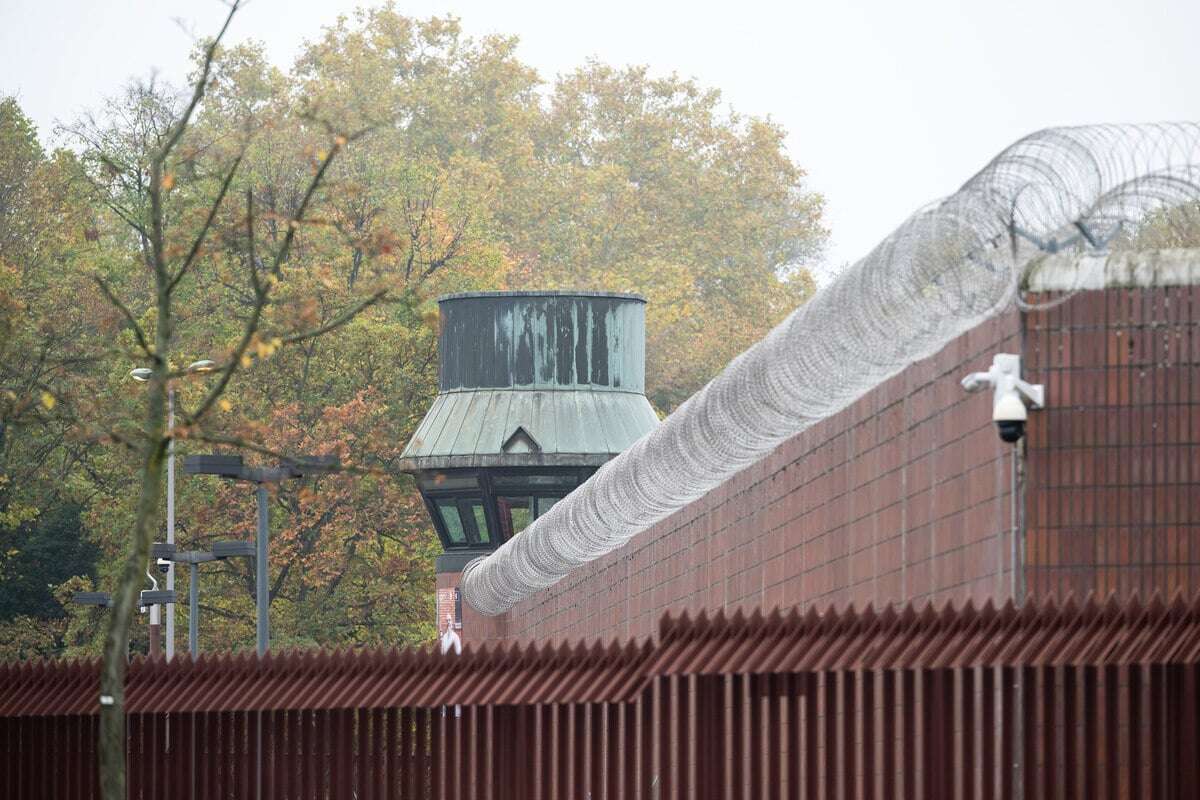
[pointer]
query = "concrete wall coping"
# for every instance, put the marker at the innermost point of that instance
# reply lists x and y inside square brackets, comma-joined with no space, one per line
[1064,272]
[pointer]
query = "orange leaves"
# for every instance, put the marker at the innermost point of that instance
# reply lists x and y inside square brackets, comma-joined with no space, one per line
[325,277]
[385,242]
[308,313]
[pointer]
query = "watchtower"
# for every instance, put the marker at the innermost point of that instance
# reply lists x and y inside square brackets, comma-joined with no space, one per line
[536,390]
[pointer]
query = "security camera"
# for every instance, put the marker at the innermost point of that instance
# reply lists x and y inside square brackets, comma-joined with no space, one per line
[164,565]
[1011,398]
[1009,414]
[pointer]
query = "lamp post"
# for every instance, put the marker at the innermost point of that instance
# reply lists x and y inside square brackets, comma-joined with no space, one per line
[155,620]
[194,558]
[142,375]
[232,468]
[148,598]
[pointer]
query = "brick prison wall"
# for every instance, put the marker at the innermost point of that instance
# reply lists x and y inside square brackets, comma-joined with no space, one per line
[907,494]
[1113,465]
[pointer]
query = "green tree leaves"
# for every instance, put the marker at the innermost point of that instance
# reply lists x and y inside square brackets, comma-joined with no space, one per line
[460,169]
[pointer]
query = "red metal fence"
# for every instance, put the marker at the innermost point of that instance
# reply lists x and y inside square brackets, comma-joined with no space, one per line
[1095,701]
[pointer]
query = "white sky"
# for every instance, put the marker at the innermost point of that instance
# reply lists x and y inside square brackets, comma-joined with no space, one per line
[889,103]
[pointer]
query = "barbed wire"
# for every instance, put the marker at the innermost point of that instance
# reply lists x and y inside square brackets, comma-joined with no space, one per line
[948,268]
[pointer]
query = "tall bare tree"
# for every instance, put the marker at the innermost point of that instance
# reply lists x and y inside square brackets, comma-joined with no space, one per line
[142,195]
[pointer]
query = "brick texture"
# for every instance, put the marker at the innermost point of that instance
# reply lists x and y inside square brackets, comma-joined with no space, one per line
[1114,464]
[908,494]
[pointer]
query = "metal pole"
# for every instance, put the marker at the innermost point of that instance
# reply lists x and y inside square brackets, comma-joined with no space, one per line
[264,631]
[260,581]
[155,633]
[1013,554]
[194,609]
[171,519]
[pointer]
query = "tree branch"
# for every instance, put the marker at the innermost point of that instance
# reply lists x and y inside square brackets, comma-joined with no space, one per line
[201,86]
[340,320]
[194,251]
[263,293]
[125,312]
[244,444]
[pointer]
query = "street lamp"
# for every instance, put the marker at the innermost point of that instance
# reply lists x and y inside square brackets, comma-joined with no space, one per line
[102,599]
[142,375]
[148,598]
[194,558]
[232,468]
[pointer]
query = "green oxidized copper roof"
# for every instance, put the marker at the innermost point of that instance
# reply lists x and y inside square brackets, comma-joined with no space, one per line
[536,378]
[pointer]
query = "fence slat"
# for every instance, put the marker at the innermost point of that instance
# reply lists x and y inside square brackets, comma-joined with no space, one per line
[683,718]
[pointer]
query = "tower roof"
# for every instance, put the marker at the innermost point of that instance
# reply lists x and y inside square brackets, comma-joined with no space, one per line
[535,379]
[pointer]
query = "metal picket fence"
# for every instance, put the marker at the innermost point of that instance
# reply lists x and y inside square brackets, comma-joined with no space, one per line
[1046,701]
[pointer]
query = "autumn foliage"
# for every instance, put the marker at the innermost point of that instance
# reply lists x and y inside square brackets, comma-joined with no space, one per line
[458,168]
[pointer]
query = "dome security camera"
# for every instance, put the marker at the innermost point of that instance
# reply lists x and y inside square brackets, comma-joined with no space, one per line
[1012,397]
[1009,414]
[164,565]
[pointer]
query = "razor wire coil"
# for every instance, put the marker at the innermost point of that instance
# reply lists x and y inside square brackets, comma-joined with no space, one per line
[945,270]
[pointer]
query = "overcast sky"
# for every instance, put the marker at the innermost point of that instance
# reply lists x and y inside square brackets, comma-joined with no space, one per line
[888,104]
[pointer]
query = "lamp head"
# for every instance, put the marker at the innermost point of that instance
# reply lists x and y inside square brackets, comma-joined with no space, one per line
[222,465]
[102,599]
[223,550]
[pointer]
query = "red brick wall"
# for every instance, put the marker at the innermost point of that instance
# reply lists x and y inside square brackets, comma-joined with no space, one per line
[906,495]
[1113,497]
